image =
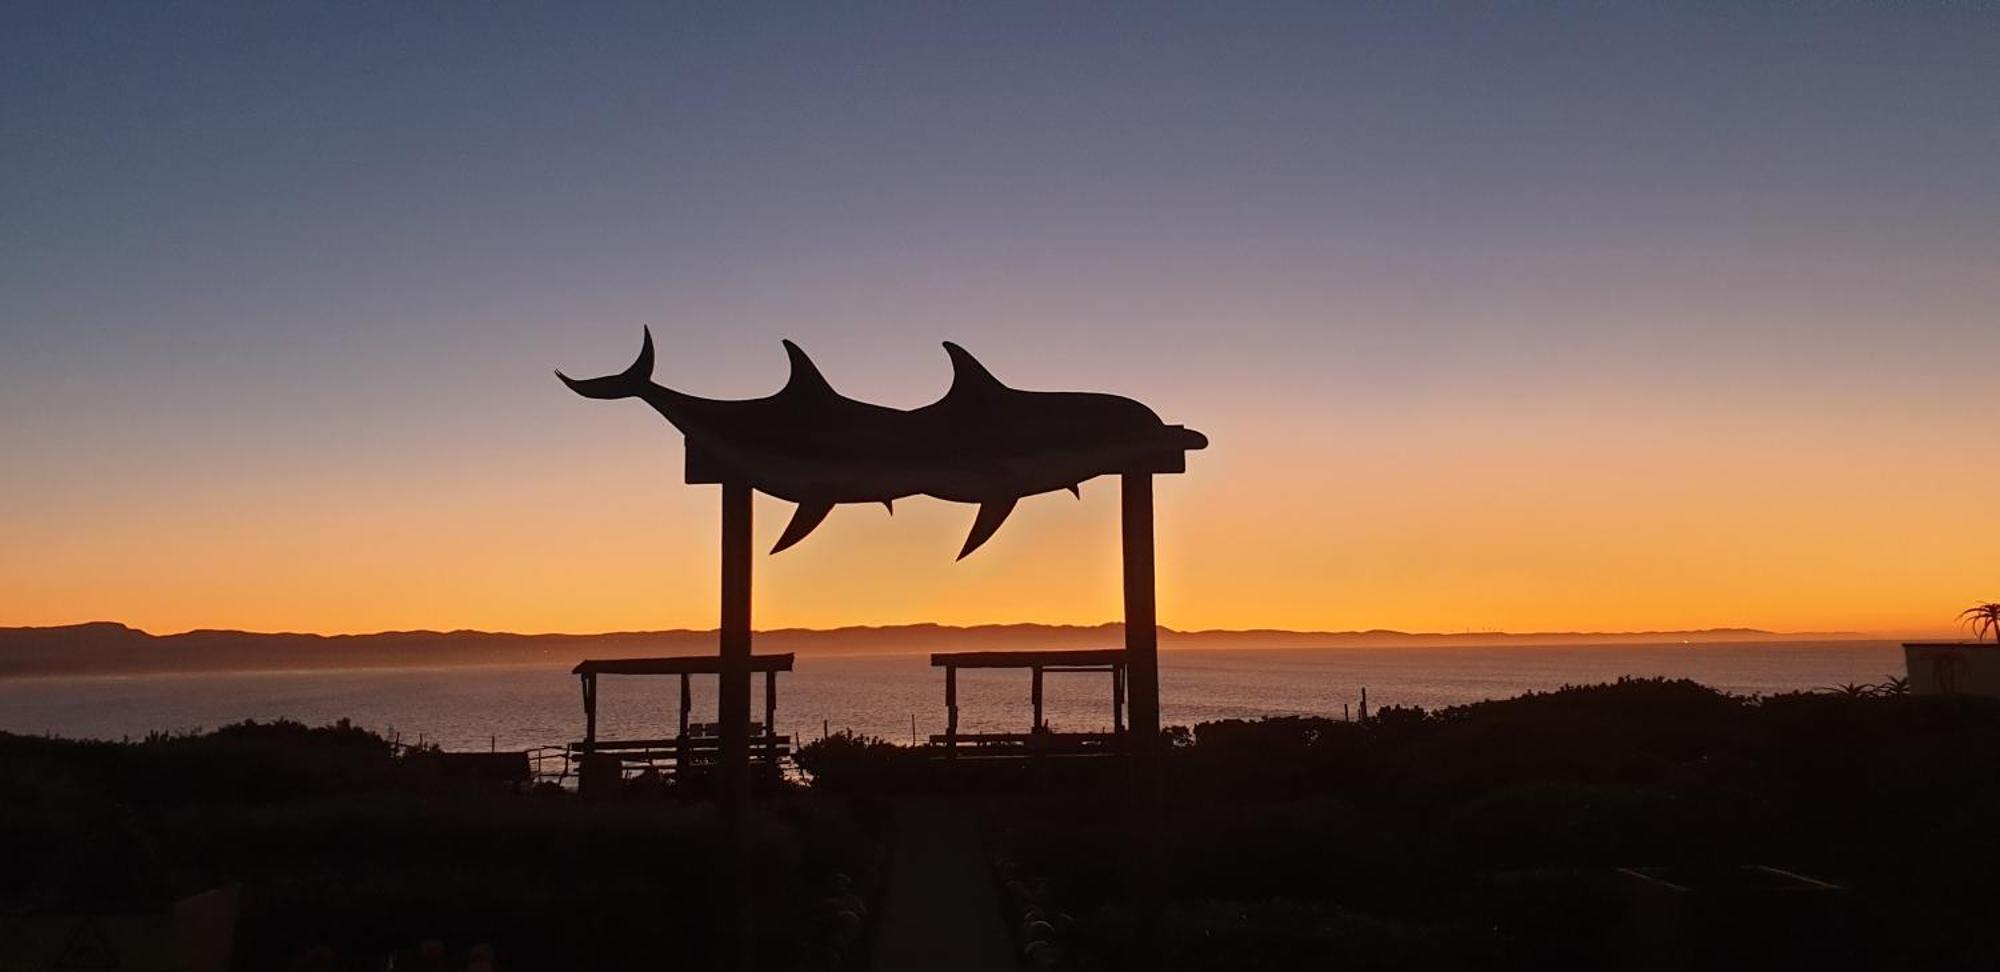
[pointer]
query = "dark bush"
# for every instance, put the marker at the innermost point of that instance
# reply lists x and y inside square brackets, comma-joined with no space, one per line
[845,762]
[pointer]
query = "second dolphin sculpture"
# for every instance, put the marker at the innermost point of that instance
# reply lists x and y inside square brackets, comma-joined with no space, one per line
[982,443]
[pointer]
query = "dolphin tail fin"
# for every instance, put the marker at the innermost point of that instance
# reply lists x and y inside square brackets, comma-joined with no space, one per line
[629,383]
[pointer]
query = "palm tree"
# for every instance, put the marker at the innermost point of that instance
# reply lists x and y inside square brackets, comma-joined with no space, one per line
[1984,618]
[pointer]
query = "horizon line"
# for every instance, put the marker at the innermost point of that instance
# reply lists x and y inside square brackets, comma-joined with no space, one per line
[1836,635]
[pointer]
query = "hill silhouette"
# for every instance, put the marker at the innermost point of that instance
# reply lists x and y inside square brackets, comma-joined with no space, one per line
[112,648]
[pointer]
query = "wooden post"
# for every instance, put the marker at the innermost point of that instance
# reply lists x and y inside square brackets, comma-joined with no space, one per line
[1142,639]
[1037,696]
[1142,662]
[1117,698]
[950,711]
[589,713]
[732,710]
[771,717]
[681,736]
[592,779]
[770,702]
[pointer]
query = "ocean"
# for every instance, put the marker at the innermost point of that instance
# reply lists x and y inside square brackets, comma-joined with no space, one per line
[898,696]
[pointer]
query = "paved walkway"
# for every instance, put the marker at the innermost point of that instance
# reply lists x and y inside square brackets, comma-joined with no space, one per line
[941,913]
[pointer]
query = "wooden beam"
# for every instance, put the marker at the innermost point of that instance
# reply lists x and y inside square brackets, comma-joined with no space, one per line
[700,469]
[678,665]
[687,700]
[589,713]
[1071,657]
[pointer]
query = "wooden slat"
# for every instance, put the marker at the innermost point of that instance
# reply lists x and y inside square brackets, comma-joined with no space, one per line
[694,744]
[1058,738]
[678,665]
[1028,659]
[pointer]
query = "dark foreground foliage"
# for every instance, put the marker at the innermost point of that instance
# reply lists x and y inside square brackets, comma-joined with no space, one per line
[852,764]
[1493,835]
[1537,832]
[338,843]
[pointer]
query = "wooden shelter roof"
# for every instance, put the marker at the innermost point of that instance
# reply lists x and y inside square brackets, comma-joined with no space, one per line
[677,665]
[1028,659]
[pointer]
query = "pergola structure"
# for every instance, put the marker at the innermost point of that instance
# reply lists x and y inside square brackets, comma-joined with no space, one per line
[1038,738]
[983,443]
[693,744]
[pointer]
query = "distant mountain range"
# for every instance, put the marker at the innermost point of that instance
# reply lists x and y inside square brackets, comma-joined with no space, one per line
[111,648]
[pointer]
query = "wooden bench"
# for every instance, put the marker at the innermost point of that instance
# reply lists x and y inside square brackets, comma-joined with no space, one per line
[995,743]
[678,753]
[494,767]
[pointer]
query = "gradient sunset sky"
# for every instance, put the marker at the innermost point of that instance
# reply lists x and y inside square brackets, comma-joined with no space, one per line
[1499,316]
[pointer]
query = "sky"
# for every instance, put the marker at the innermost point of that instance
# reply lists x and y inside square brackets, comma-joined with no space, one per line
[1498,316]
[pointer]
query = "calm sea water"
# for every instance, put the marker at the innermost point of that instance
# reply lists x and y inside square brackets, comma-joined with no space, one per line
[522,706]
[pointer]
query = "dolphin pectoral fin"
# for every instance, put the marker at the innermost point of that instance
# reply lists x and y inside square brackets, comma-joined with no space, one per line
[625,384]
[1076,490]
[804,520]
[992,513]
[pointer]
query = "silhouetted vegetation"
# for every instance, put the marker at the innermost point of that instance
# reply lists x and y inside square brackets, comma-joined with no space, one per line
[1492,835]
[850,763]
[341,844]
[1511,834]
[1984,619]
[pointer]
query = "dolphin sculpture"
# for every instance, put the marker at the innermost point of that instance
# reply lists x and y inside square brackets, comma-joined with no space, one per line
[982,443]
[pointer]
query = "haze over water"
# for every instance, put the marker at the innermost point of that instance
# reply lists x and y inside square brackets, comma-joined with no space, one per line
[524,706]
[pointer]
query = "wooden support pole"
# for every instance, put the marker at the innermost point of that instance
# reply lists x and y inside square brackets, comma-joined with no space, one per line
[1036,694]
[1142,639]
[1142,662]
[687,700]
[771,715]
[732,705]
[732,709]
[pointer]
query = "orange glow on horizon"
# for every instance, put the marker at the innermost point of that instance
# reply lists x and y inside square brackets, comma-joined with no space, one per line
[1438,527]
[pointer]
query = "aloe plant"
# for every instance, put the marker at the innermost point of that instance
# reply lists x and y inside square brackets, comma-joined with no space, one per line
[1984,619]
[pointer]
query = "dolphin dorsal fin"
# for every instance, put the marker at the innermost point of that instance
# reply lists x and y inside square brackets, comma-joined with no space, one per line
[805,377]
[967,374]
